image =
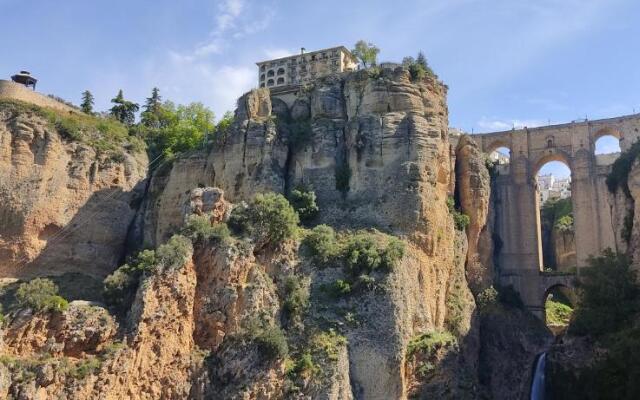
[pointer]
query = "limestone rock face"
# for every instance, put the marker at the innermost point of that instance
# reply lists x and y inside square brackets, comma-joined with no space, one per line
[634,237]
[80,329]
[474,190]
[374,150]
[63,207]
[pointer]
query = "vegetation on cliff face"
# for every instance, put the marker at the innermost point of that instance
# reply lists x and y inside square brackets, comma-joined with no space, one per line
[621,167]
[106,135]
[607,313]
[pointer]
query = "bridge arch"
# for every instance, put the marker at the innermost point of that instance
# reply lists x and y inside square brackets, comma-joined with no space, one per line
[551,155]
[553,302]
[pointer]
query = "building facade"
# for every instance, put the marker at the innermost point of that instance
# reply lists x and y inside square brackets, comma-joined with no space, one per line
[305,67]
[552,187]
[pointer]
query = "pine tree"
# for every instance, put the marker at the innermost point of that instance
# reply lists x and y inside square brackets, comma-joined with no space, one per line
[87,102]
[422,60]
[124,110]
[150,117]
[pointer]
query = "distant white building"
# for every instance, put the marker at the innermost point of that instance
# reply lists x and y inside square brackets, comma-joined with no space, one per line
[499,158]
[551,187]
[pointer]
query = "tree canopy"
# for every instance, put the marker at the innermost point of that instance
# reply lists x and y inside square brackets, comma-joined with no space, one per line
[366,52]
[87,102]
[124,110]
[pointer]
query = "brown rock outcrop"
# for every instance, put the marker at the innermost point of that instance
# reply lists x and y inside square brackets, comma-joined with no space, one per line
[63,206]
[473,187]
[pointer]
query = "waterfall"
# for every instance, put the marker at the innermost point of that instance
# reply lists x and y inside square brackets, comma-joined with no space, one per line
[537,384]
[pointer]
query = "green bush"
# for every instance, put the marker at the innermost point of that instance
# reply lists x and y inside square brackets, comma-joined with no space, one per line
[339,288]
[322,243]
[269,219]
[620,169]
[460,219]
[272,343]
[429,342]
[199,227]
[564,224]
[174,253]
[557,313]
[487,298]
[296,297]
[609,296]
[364,253]
[120,286]
[40,294]
[84,368]
[304,202]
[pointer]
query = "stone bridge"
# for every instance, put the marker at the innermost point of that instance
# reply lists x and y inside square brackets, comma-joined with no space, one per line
[517,199]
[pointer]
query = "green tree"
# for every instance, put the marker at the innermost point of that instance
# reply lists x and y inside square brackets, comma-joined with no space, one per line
[151,115]
[87,102]
[367,53]
[269,219]
[225,123]
[608,297]
[179,128]
[40,294]
[124,110]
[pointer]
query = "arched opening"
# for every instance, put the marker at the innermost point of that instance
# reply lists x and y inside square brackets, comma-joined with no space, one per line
[270,73]
[559,303]
[500,156]
[280,81]
[280,71]
[606,149]
[556,246]
[270,82]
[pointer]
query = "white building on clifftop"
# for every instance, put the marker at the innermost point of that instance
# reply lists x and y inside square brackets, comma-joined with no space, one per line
[305,67]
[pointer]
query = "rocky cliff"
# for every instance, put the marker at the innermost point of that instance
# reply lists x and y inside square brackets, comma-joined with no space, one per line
[65,204]
[373,146]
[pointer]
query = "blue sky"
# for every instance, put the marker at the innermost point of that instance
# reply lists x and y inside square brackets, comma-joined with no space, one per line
[507,62]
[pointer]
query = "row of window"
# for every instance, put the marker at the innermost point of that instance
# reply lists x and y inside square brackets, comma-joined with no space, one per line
[281,71]
[294,60]
[271,82]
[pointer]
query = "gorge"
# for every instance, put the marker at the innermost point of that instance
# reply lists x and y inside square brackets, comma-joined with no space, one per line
[415,272]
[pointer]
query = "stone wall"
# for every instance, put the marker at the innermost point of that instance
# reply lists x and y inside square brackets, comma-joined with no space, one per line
[15,91]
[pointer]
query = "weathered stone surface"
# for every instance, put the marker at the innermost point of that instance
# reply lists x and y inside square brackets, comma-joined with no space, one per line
[80,329]
[63,207]
[473,188]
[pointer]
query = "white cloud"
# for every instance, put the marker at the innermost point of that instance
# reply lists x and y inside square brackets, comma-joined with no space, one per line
[187,79]
[229,11]
[492,124]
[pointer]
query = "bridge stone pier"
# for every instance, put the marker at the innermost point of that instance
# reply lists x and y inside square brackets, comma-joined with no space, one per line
[517,207]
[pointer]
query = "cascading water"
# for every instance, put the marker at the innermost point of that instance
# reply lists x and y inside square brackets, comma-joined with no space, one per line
[537,384]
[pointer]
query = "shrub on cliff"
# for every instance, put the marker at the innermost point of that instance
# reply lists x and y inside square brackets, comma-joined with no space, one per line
[359,252]
[304,202]
[121,285]
[272,343]
[296,298]
[620,169]
[460,219]
[269,219]
[609,297]
[322,244]
[199,227]
[40,294]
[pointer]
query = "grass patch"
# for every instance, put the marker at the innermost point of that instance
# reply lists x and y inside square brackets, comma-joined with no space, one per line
[106,135]
[557,314]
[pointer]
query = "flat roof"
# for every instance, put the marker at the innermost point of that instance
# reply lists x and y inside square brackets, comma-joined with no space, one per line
[310,52]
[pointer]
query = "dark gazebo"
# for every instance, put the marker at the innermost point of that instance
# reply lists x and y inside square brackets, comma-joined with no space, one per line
[25,78]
